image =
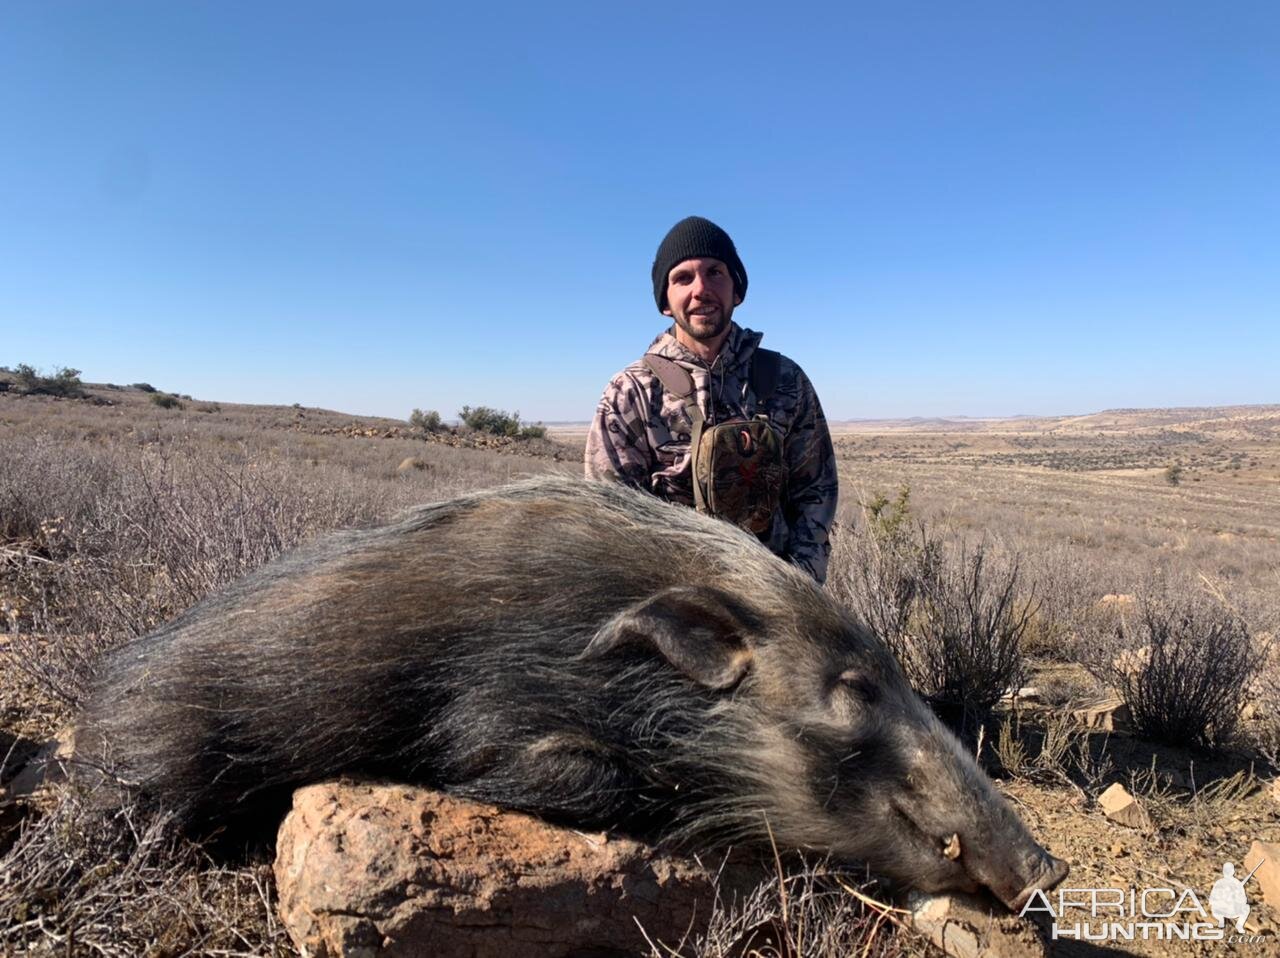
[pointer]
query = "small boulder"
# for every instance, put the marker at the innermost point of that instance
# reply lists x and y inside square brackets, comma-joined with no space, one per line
[1267,876]
[963,926]
[409,465]
[365,868]
[1111,715]
[1123,809]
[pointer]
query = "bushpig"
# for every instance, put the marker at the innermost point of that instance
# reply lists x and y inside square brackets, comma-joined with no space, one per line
[577,650]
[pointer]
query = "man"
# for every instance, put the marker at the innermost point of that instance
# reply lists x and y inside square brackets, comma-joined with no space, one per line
[641,434]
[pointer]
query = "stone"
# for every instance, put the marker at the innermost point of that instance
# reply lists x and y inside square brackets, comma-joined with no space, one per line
[364,867]
[1266,855]
[1122,808]
[964,926]
[1111,715]
[1117,601]
[1132,661]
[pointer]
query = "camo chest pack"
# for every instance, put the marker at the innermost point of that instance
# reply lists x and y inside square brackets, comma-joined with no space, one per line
[737,469]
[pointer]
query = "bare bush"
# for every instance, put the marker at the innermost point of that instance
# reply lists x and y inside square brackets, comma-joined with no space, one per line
[881,565]
[955,616]
[125,883]
[964,646]
[102,544]
[1183,664]
[810,911]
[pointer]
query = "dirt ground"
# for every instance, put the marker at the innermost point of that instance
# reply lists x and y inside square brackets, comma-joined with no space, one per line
[1095,506]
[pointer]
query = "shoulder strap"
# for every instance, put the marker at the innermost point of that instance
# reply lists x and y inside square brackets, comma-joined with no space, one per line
[676,380]
[765,364]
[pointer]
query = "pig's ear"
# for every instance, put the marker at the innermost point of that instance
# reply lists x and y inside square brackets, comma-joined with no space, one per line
[703,632]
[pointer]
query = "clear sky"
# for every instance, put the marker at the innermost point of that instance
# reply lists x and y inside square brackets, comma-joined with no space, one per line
[944,208]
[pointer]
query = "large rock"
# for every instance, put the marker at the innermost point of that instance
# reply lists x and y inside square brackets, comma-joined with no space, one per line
[367,869]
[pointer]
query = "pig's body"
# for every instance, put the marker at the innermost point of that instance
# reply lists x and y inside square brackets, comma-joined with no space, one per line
[577,650]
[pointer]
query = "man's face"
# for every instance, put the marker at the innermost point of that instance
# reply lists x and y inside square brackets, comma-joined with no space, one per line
[701,298]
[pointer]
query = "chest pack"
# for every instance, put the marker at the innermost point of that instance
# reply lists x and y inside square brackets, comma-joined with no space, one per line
[737,467]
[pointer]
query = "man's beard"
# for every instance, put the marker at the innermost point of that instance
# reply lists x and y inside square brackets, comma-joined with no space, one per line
[704,332]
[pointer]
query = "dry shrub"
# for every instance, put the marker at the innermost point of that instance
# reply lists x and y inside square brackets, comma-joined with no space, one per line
[808,911]
[1184,664]
[123,883]
[964,644]
[107,543]
[955,616]
[1265,732]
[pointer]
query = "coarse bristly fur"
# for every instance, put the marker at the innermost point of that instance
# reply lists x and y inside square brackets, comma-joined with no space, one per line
[582,651]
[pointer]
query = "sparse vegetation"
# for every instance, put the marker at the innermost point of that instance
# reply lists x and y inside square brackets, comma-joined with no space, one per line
[1173,474]
[111,524]
[166,401]
[64,382]
[428,421]
[498,422]
[1184,665]
[953,616]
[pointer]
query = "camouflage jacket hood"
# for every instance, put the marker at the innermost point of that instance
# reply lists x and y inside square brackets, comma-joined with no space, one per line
[640,436]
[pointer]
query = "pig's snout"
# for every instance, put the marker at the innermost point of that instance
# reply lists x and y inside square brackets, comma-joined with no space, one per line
[1014,875]
[1049,872]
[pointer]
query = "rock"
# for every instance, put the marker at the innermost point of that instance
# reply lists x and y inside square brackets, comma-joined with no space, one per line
[1122,808]
[1027,695]
[1111,715]
[1117,601]
[964,927]
[365,868]
[1268,876]
[1132,661]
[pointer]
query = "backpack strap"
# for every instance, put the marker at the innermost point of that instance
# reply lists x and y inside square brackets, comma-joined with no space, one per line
[676,380]
[765,364]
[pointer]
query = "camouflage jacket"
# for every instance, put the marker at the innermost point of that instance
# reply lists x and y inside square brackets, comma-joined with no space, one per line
[640,436]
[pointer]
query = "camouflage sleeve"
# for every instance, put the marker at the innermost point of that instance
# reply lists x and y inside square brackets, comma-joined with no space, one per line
[617,445]
[812,485]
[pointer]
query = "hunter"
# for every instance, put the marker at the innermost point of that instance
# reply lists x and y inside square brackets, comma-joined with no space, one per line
[709,419]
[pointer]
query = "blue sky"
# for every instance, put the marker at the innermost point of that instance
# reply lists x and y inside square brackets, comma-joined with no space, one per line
[980,208]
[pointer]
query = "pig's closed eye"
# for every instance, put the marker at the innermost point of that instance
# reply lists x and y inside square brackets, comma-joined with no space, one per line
[859,685]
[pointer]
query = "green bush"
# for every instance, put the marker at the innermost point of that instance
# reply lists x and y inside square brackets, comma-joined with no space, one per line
[64,382]
[165,401]
[499,422]
[428,421]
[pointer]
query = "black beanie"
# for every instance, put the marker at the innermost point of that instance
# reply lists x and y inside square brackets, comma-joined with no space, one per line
[692,237]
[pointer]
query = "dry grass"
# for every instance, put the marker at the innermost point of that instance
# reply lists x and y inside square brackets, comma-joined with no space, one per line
[115,517]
